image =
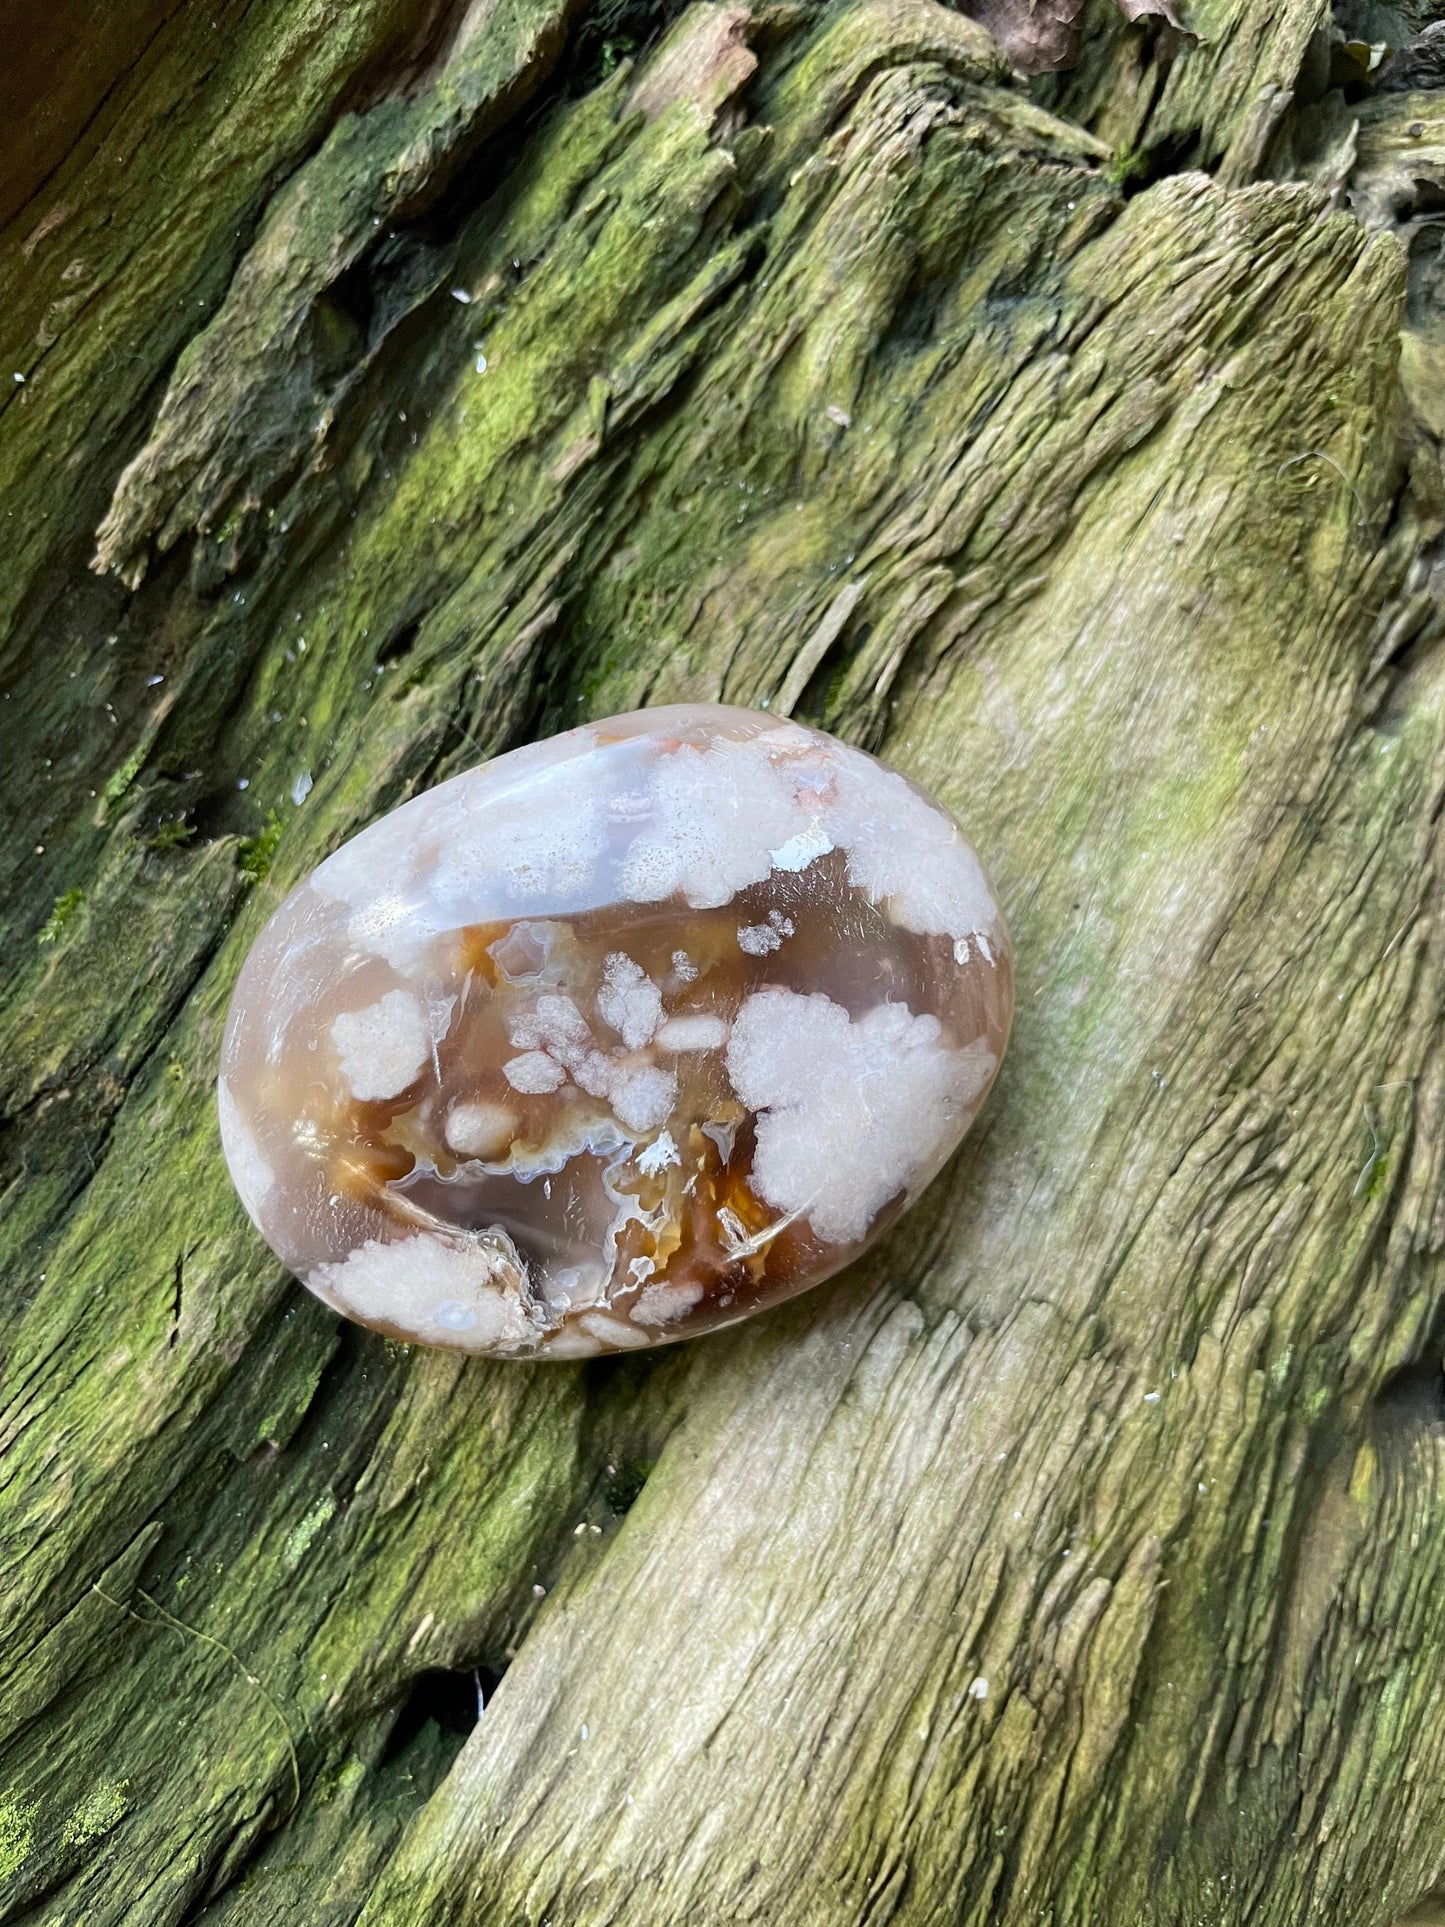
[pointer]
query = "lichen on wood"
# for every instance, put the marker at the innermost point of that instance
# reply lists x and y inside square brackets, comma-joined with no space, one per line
[422,380]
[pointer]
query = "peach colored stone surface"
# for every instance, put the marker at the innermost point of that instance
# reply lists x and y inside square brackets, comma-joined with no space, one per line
[618,1038]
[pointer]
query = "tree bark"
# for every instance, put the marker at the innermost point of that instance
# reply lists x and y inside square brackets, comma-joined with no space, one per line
[400,382]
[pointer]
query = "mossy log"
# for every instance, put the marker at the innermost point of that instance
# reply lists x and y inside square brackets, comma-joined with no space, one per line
[386,384]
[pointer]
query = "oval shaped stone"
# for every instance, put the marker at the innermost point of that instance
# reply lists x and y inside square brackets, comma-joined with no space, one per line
[618,1038]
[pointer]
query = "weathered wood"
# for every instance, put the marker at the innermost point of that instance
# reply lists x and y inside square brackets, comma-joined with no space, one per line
[1079,1557]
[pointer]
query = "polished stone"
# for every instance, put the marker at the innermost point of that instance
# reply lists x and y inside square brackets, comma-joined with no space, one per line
[618,1038]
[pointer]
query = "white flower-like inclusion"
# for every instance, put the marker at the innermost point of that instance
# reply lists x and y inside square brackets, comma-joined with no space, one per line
[557,1040]
[622,1036]
[850,1111]
[629,1001]
[382,1049]
[531,853]
[701,1032]
[442,1293]
[703,823]
[253,1176]
[480,1130]
[726,817]
[758,939]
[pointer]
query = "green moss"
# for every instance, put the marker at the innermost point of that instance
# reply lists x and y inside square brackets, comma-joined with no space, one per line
[66,905]
[17,1830]
[122,779]
[614,52]
[103,1808]
[1127,165]
[255,854]
[624,1486]
[300,1536]
[614,31]
[171,835]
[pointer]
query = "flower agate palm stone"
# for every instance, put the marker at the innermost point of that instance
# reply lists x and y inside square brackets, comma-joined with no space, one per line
[619,1038]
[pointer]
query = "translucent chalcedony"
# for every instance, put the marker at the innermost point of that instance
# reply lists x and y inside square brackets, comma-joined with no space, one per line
[621,1037]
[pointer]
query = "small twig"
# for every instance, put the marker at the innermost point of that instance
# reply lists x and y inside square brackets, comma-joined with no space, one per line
[1373,1159]
[1372,1123]
[209,1639]
[1319,455]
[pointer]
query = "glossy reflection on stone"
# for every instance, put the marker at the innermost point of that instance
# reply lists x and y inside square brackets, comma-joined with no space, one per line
[620,1037]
